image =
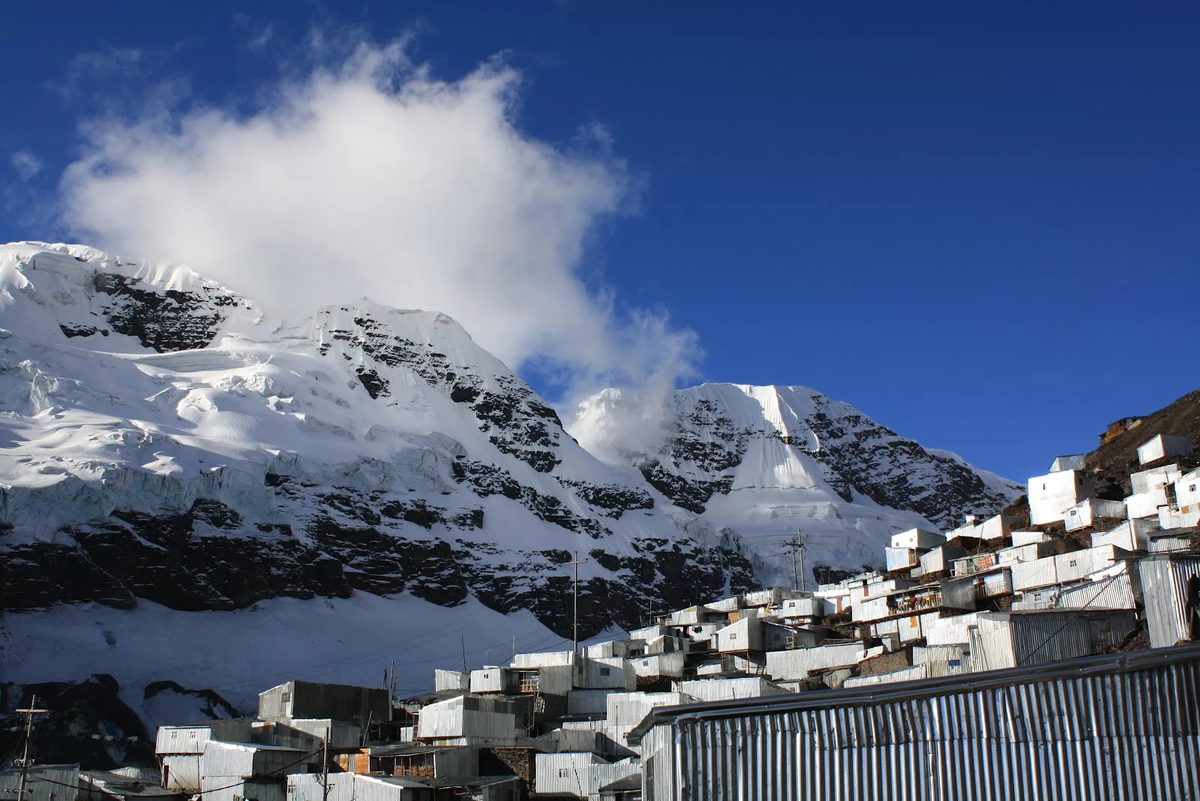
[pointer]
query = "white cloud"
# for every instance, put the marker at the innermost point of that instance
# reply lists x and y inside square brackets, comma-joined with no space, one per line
[26,164]
[373,178]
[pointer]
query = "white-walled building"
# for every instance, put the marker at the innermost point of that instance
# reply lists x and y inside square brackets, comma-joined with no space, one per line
[1051,495]
[1085,513]
[1074,461]
[1162,446]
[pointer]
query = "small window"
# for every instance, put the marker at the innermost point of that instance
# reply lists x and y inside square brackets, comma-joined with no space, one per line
[287,696]
[564,773]
[605,671]
[733,636]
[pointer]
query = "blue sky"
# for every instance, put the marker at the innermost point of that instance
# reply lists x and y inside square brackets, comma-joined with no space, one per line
[978,223]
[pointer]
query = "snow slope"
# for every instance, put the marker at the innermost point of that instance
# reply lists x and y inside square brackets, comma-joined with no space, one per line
[167,440]
[770,461]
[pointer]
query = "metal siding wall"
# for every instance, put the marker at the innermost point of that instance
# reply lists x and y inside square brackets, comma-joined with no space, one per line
[1112,593]
[1164,588]
[183,772]
[43,783]
[1133,735]
[271,705]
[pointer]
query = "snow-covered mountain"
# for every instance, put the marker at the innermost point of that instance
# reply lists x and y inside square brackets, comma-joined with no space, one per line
[768,462]
[170,447]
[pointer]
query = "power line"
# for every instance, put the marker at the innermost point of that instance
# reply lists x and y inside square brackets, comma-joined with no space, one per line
[796,548]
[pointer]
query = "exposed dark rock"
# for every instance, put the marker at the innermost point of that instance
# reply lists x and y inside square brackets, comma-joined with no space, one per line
[215,706]
[516,420]
[613,498]
[165,320]
[88,724]
[686,493]
[72,330]
[486,479]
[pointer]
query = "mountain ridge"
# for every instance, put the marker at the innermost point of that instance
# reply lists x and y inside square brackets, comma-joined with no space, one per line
[171,444]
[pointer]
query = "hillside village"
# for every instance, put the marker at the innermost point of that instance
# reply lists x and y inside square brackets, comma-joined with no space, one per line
[1063,575]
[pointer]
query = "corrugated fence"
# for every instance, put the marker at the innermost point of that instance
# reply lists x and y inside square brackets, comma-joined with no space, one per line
[1125,726]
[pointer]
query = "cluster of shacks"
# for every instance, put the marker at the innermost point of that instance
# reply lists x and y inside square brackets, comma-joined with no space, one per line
[1006,658]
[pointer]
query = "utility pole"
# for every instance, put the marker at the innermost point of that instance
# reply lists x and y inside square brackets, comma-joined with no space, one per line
[325,767]
[29,713]
[796,547]
[575,612]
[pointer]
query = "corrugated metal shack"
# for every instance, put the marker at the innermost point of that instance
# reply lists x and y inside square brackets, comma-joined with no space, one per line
[357,787]
[224,788]
[43,783]
[579,775]
[1171,592]
[306,699]
[1034,637]
[1118,726]
[179,748]
[246,760]
[97,785]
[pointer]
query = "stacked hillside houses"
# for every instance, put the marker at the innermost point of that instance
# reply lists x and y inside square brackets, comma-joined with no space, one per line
[1072,575]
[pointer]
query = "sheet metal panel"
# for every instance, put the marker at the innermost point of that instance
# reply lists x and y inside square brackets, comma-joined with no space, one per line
[1119,728]
[1029,537]
[450,680]
[588,702]
[1187,516]
[1024,553]
[998,527]
[547,658]
[973,564]
[1033,575]
[729,689]
[245,760]
[1165,589]
[797,664]
[181,772]
[222,788]
[191,738]
[939,559]
[917,538]
[1146,504]
[901,558]
[1113,592]
[943,660]
[1051,495]
[339,734]
[670,665]
[1154,477]
[43,783]
[910,673]
[950,630]
[1162,446]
